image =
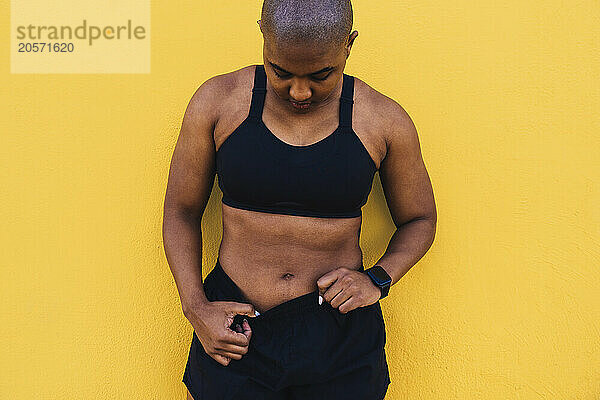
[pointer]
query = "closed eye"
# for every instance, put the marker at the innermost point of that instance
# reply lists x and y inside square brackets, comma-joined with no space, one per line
[287,76]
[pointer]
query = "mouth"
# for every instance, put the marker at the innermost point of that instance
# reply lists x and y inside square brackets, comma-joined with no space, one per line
[303,105]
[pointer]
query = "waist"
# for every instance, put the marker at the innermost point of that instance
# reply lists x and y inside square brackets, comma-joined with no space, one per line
[266,287]
[269,278]
[274,258]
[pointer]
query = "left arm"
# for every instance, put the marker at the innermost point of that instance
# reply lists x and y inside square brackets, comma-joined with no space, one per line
[409,196]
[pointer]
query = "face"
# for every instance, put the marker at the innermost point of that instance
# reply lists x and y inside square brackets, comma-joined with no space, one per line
[304,74]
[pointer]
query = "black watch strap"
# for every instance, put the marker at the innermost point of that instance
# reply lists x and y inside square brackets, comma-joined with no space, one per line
[380,278]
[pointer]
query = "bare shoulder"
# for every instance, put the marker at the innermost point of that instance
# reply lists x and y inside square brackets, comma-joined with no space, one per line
[216,94]
[192,172]
[389,122]
[404,177]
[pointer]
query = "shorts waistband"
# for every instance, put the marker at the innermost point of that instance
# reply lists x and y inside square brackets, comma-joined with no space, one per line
[290,308]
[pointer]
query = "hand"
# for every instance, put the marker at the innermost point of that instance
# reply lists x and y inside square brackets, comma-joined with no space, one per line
[347,289]
[212,321]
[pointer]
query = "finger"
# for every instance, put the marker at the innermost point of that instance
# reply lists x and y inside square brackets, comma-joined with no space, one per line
[247,330]
[240,339]
[348,305]
[232,348]
[340,298]
[220,359]
[232,356]
[243,327]
[242,308]
[327,280]
[333,291]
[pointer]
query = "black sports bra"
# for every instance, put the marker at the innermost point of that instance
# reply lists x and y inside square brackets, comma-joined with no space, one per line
[331,178]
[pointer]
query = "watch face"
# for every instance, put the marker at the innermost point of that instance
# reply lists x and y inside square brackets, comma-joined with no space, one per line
[380,275]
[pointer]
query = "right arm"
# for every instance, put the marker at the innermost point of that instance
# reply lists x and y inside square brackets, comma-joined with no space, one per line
[191,177]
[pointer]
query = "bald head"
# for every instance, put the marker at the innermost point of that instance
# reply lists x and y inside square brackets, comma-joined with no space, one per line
[322,23]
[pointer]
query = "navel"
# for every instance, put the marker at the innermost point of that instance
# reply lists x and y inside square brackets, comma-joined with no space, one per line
[287,276]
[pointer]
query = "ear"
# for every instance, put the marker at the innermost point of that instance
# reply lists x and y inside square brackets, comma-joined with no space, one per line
[350,42]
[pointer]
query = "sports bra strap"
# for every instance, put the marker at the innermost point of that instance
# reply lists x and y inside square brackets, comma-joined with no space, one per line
[258,93]
[260,89]
[346,101]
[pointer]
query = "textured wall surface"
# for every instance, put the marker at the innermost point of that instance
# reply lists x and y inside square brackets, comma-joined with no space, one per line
[505,305]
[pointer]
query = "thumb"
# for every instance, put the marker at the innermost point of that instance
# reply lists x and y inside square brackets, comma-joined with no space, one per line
[243,309]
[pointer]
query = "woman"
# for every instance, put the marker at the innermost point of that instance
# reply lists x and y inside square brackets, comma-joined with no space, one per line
[289,311]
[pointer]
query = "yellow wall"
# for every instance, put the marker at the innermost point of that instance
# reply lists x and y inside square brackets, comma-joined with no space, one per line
[505,305]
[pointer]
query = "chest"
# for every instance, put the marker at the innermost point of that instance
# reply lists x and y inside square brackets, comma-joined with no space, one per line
[256,168]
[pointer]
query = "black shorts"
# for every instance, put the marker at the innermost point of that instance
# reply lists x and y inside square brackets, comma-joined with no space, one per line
[298,350]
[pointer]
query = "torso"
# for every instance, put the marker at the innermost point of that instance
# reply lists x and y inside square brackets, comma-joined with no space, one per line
[273,257]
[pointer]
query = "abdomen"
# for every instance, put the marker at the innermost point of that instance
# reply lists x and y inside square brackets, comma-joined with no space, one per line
[274,257]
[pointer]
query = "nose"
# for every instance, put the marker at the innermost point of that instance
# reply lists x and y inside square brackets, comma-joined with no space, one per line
[300,91]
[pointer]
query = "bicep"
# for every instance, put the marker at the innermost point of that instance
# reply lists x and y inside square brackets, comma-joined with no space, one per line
[404,178]
[192,169]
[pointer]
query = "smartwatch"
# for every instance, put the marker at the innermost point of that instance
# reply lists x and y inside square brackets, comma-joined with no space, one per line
[380,278]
